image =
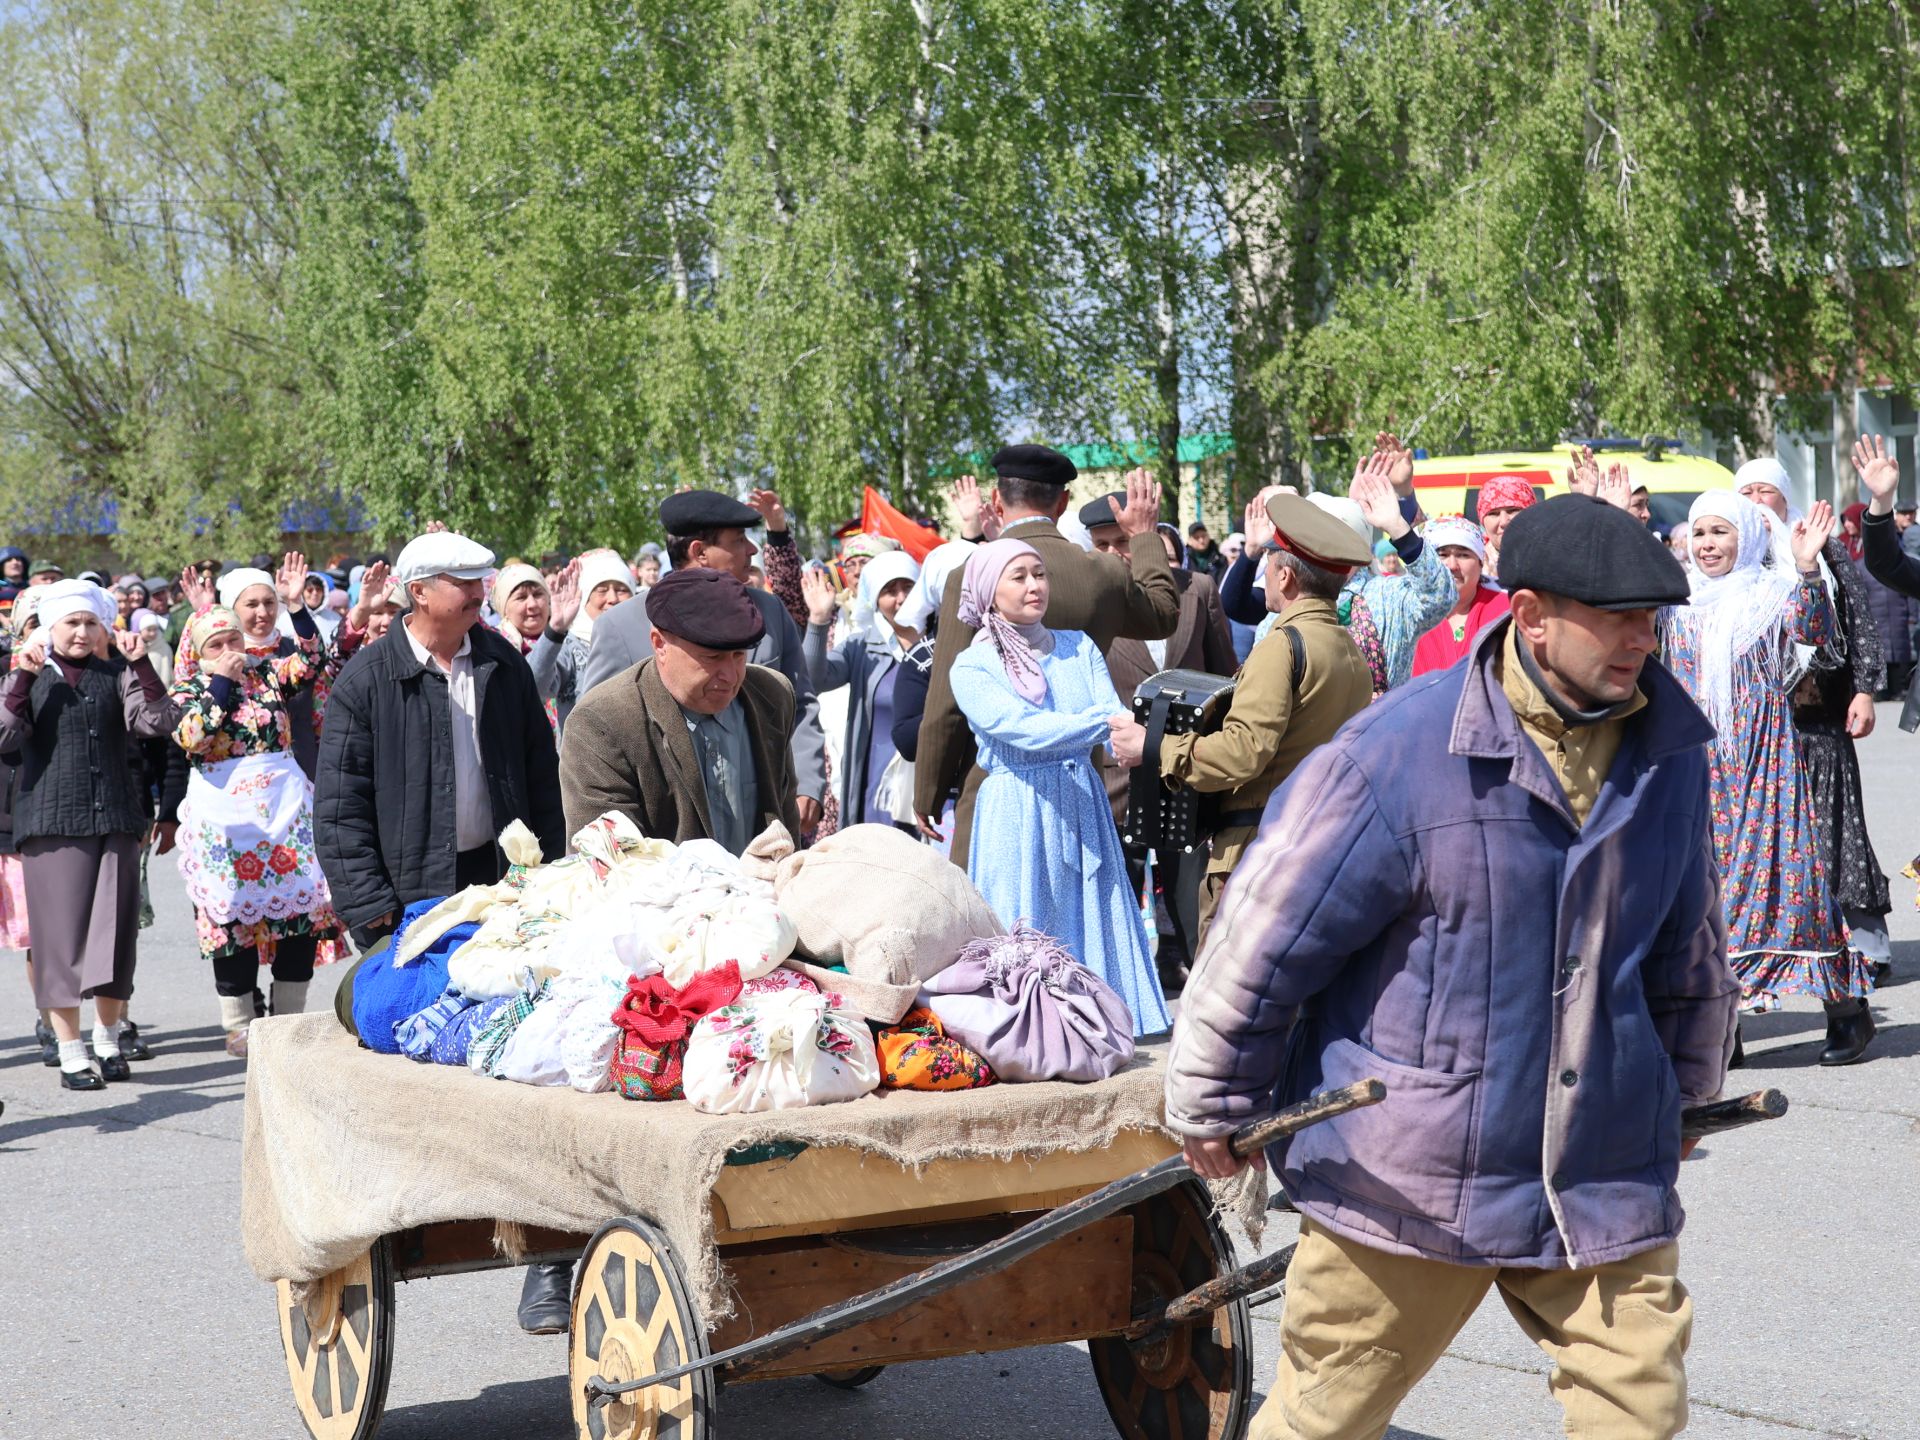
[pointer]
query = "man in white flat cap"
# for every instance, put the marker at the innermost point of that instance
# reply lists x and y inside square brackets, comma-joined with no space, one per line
[435,741]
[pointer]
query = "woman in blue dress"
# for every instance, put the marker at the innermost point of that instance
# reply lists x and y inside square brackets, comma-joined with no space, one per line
[1045,849]
[1758,599]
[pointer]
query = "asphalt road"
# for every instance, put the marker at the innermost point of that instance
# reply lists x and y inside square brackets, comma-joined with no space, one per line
[127,1309]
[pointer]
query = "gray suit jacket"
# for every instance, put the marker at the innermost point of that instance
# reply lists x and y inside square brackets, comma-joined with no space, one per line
[622,638]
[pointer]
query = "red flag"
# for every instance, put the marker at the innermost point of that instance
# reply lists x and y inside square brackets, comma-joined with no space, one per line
[877,517]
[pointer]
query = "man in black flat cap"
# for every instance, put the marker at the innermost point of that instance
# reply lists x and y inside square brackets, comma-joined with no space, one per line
[708,531]
[692,741]
[1496,887]
[1097,594]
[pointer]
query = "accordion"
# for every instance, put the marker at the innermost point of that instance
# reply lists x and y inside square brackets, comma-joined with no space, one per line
[1162,815]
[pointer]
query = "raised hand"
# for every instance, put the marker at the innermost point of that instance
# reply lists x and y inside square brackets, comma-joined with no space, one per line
[373,589]
[292,579]
[1399,462]
[132,644]
[1810,535]
[563,597]
[196,590]
[1256,524]
[435,527]
[1583,475]
[32,656]
[1615,487]
[767,502]
[817,590]
[1142,510]
[1372,490]
[964,495]
[1879,471]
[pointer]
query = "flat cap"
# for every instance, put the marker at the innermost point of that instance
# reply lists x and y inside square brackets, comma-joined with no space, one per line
[442,553]
[694,510]
[705,607]
[1101,511]
[1040,463]
[1306,530]
[44,567]
[1580,547]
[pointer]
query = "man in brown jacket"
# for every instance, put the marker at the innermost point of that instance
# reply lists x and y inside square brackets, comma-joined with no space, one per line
[1200,641]
[692,743]
[1281,709]
[1092,593]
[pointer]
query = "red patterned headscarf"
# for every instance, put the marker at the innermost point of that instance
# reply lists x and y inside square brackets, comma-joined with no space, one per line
[1504,492]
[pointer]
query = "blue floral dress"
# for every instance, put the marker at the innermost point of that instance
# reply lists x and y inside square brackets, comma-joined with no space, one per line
[1045,849]
[1785,935]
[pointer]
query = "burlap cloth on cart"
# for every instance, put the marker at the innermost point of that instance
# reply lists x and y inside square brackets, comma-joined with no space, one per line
[343,1146]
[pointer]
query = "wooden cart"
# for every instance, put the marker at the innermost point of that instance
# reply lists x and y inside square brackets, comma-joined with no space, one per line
[799,1232]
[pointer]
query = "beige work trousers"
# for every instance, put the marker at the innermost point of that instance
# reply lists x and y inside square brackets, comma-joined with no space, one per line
[1362,1326]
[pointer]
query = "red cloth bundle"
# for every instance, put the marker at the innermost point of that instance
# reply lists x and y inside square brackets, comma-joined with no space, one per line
[655,1020]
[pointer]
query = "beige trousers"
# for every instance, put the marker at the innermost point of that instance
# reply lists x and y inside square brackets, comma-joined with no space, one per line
[1362,1326]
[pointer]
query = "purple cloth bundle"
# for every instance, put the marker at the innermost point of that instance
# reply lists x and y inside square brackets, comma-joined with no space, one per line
[1030,1010]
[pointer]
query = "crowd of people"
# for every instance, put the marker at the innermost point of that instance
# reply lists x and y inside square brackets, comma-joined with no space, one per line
[1009,655]
[1434,722]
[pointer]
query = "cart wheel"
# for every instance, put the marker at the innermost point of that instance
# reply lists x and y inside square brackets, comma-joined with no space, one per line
[339,1344]
[850,1379]
[632,1317]
[1195,1381]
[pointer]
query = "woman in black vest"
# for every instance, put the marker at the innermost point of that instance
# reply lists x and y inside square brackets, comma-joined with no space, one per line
[71,708]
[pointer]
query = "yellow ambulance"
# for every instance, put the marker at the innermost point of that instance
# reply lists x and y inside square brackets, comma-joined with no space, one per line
[1450,484]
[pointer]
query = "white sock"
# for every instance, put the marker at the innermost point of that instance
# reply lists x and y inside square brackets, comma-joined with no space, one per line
[236,1012]
[290,996]
[106,1038]
[73,1056]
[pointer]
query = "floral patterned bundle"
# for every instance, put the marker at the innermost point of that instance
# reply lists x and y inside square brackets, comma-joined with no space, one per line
[779,1051]
[656,1019]
[918,1054]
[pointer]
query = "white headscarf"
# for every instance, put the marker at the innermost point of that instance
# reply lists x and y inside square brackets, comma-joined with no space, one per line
[596,568]
[235,581]
[875,576]
[1733,614]
[1454,530]
[931,588]
[75,597]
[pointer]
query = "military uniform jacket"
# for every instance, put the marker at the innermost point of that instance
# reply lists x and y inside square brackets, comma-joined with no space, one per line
[1269,729]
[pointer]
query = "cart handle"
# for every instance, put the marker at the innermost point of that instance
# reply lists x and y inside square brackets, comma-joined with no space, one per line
[997,1255]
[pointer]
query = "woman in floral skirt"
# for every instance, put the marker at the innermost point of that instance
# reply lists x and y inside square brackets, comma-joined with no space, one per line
[1757,594]
[246,829]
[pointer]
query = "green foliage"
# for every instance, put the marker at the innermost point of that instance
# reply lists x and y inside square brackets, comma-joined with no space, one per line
[528,267]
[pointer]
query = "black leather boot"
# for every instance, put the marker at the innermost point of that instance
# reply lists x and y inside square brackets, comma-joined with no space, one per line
[1739,1059]
[1850,1030]
[545,1298]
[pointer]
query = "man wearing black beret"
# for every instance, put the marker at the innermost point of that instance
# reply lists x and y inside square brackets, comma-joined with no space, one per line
[690,742]
[1497,888]
[708,530]
[1097,594]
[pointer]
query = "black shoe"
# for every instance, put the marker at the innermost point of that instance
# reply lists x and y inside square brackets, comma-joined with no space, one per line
[545,1298]
[49,1047]
[132,1047]
[260,1011]
[113,1067]
[82,1080]
[1850,1030]
[1882,972]
[1739,1059]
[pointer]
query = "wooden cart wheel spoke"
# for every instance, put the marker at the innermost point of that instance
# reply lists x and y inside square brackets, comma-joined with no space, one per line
[1193,1381]
[339,1360]
[632,1316]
